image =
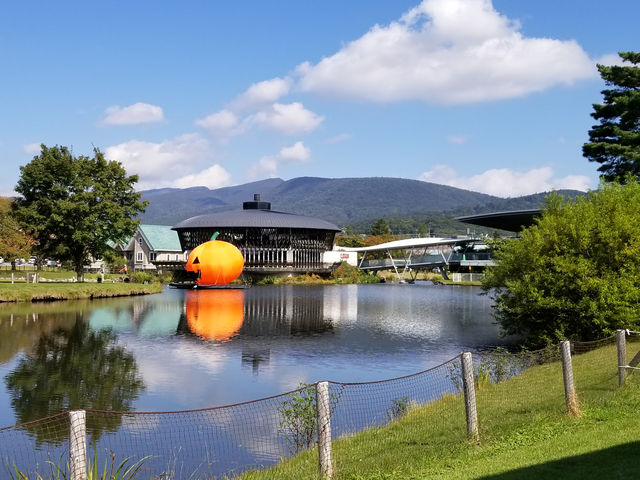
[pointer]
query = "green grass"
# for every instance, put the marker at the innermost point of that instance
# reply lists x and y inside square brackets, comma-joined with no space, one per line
[21,275]
[525,433]
[29,292]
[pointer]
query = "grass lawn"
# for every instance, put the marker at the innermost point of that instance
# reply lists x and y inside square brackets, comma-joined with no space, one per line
[524,433]
[27,292]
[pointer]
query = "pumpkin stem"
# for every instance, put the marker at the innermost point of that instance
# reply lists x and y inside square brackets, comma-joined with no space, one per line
[213,237]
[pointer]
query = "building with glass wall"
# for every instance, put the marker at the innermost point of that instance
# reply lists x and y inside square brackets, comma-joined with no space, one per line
[271,242]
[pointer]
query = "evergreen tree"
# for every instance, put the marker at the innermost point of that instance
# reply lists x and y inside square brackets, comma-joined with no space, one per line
[615,141]
[380,227]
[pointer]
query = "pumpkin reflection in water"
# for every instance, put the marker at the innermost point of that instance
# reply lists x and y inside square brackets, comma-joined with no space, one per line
[215,314]
[216,262]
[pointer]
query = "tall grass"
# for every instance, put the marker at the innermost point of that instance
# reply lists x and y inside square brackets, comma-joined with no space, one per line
[125,470]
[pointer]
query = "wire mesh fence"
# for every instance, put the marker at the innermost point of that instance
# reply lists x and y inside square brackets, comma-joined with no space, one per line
[420,410]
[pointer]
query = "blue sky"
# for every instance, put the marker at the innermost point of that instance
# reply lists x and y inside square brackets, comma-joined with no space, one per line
[489,96]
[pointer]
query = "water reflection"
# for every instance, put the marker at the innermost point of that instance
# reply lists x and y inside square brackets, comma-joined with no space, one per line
[73,367]
[196,349]
[214,314]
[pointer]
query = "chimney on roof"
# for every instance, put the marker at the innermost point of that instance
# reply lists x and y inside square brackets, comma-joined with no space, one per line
[256,204]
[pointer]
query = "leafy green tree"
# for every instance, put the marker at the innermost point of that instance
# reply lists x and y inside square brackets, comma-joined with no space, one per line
[73,206]
[114,260]
[14,242]
[615,141]
[576,273]
[349,240]
[380,227]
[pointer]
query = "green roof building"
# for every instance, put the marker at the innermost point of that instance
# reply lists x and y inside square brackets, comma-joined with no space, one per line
[154,247]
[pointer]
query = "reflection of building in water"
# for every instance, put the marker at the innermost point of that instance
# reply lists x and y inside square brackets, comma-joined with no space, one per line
[255,358]
[282,311]
[278,311]
[341,304]
[221,314]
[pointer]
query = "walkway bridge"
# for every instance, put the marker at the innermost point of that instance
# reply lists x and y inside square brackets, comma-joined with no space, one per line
[408,256]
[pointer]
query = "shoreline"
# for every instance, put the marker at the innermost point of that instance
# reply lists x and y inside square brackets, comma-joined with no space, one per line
[23,292]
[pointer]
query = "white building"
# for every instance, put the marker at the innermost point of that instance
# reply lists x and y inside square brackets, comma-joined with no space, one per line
[154,247]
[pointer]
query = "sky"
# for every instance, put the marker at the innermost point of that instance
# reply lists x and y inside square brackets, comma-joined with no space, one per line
[490,96]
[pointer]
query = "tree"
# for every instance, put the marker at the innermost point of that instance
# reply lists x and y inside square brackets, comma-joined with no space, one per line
[74,368]
[380,227]
[14,242]
[73,206]
[576,273]
[615,141]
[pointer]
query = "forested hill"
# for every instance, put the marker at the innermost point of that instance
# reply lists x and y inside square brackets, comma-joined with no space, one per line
[343,201]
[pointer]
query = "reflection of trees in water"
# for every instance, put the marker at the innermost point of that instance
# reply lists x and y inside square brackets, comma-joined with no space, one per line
[74,368]
[20,331]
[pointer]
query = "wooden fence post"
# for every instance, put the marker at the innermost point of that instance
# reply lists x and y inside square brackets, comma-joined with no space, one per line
[622,356]
[325,463]
[468,386]
[570,396]
[77,445]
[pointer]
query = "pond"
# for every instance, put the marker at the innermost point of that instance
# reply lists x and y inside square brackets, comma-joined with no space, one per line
[185,349]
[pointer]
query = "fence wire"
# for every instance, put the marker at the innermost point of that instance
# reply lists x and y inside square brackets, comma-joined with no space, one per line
[423,409]
[35,447]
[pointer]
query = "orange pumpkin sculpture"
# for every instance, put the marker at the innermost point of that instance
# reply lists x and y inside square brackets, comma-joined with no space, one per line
[216,262]
[215,314]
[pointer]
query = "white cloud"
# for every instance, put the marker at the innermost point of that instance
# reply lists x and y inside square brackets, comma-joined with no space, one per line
[222,124]
[458,139]
[168,163]
[342,137]
[32,148]
[213,177]
[447,52]
[261,93]
[503,182]
[268,166]
[296,153]
[611,59]
[133,114]
[288,119]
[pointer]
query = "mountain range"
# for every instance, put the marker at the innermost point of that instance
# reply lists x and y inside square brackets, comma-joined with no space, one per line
[355,202]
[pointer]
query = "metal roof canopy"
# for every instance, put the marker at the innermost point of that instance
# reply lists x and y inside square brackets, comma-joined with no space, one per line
[255,219]
[512,221]
[408,243]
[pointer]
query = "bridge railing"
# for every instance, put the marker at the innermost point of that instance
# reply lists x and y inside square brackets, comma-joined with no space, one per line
[424,260]
[382,263]
[457,257]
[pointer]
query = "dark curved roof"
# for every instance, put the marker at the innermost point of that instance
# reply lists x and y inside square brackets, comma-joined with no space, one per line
[513,221]
[255,218]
